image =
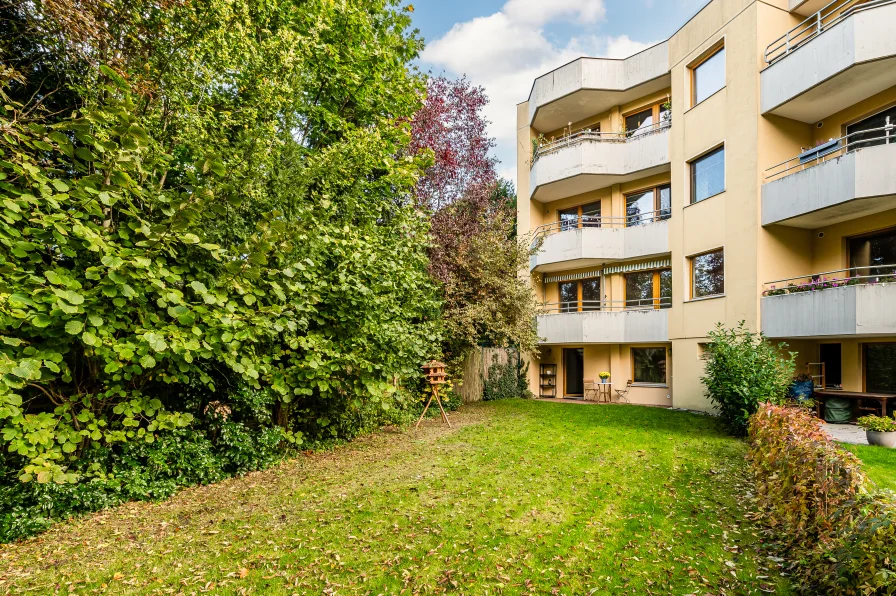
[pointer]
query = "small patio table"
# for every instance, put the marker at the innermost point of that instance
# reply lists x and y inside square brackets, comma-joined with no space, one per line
[604,392]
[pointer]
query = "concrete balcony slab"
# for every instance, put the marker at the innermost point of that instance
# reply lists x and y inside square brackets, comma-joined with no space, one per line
[586,165]
[634,326]
[851,311]
[851,61]
[590,86]
[840,189]
[587,247]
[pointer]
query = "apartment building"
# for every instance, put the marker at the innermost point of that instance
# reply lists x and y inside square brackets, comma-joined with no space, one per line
[744,169]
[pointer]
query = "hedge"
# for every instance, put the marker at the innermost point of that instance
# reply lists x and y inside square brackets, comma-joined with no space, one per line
[838,530]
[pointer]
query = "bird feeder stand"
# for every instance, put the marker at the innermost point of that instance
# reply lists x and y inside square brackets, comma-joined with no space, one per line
[435,374]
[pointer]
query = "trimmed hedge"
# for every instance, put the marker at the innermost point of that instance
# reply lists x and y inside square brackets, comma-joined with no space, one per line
[839,531]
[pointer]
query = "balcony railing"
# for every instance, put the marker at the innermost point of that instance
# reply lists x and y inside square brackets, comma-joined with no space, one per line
[854,276]
[606,305]
[588,135]
[599,221]
[833,148]
[815,25]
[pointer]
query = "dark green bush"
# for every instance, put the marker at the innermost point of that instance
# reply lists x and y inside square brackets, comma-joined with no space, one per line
[506,381]
[744,370]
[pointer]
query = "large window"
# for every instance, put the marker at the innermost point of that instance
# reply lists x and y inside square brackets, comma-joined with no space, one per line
[708,175]
[649,365]
[870,254]
[708,76]
[646,120]
[648,289]
[650,205]
[583,216]
[580,295]
[881,120]
[708,274]
[880,367]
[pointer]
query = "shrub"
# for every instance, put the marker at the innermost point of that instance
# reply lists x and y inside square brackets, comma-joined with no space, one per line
[877,424]
[744,370]
[505,381]
[817,501]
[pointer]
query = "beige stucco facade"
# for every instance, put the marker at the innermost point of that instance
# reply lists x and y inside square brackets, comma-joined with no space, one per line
[811,236]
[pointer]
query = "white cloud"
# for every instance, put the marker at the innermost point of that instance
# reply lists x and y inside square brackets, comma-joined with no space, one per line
[506,51]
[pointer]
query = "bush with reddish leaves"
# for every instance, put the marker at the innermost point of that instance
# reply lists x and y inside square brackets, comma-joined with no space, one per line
[818,502]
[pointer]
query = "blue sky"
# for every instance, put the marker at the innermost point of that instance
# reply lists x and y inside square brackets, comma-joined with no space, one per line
[503,45]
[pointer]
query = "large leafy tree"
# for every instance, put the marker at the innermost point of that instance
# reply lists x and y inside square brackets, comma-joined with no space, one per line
[204,194]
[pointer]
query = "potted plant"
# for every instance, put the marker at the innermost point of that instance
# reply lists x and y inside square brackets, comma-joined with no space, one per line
[880,431]
[604,377]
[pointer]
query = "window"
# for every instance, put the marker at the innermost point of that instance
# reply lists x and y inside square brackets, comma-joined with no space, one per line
[582,295]
[708,76]
[880,367]
[875,137]
[648,289]
[647,206]
[584,216]
[648,119]
[649,365]
[708,175]
[870,254]
[708,274]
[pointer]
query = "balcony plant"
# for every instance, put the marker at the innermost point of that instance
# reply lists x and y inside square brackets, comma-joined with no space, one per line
[604,377]
[880,431]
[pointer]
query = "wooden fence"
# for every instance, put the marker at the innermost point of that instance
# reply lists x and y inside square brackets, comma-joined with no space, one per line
[476,366]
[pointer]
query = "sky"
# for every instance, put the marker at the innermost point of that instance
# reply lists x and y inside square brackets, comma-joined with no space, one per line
[503,45]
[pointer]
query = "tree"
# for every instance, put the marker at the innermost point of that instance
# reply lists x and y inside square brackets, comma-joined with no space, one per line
[224,199]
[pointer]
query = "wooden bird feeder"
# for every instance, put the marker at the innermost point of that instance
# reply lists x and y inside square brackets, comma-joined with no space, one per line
[436,375]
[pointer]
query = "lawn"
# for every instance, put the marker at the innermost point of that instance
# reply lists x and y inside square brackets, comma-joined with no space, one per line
[521,497]
[879,464]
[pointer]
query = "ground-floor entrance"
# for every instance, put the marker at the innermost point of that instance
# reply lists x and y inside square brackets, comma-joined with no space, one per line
[573,372]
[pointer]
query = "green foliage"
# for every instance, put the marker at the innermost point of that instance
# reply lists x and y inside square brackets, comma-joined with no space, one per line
[157,250]
[817,501]
[877,424]
[507,380]
[744,370]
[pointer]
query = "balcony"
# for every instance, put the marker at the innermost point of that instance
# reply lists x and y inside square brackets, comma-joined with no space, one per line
[589,241]
[603,322]
[586,161]
[590,86]
[841,180]
[856,303]
[844,53]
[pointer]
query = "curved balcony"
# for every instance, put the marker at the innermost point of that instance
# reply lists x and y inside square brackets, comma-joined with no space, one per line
[842,54]
[587,161]
[844,303]
[604,322]
[838,181]
[590,86]
[589,241]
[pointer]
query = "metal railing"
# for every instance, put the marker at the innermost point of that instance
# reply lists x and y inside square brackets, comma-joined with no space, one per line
[606,305]
[815,25]
[853,276]
[599,221]
[588,135]
[833,148]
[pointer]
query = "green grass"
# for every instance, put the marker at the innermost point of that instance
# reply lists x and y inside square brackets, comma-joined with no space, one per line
[521,497]
[879,464]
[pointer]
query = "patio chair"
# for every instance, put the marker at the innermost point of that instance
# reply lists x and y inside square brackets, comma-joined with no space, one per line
[591,390]
[622,394]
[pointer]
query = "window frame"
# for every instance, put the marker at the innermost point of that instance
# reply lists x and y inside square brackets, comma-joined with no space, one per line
[656,112]
[579,306]
[710,52]
[579,211]
[865,346]
[657,204]
[656,288]
[692,173]
[691,262]
[631,354]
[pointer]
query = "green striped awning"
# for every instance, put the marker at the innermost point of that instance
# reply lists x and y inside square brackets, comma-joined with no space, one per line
[630,267]
[571,276]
